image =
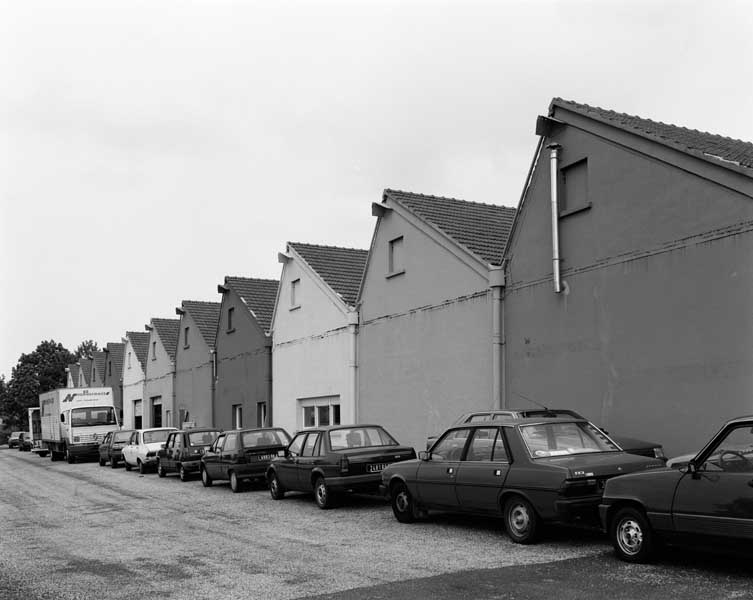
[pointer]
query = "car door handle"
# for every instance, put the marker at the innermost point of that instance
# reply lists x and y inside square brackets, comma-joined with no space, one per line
[750,483]
[450,471]
[498,472]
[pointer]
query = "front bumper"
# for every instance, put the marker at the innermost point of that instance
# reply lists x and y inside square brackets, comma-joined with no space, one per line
[84,450]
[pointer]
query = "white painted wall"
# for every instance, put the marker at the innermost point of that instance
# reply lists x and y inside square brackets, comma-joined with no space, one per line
[133,384]
[160,371]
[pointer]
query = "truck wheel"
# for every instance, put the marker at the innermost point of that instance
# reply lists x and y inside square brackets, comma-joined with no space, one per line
[631,535]
[69,457]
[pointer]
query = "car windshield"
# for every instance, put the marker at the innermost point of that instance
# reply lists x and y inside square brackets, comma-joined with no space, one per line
[121,436]
[202,438]
[357,437]
[151,437]
[562,439]
[268,437]
[15,435]
[98,415]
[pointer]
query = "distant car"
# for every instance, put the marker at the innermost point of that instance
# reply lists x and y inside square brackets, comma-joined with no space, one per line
[527,471]
[113,450]
[25,441]
[241,456]
[182,452]
[631,445]
[14,438]
[709,501]
[143,445]
[332,460]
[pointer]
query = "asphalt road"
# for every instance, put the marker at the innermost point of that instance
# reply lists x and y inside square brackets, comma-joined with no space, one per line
[82,531]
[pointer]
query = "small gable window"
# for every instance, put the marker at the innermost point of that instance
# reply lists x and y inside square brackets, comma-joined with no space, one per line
[185,337]
[129,360]
[154,350]
[573,195]
[295,294]
[395,257]
[109,369]
[230,312]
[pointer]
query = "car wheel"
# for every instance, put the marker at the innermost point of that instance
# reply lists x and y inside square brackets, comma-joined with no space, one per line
[206,480]
[402,503]
[69,457]
[113,463]
[275,487]
[236,485]
[521,520]
[322,494]
[142,467]
[160,469]
[127,465]
[182,473]
[102,462]
[631,535]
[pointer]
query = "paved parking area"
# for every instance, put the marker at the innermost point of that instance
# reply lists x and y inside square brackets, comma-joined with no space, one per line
[83,531]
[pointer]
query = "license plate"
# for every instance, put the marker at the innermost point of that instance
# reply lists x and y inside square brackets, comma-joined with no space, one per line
[264,456]
[376,468]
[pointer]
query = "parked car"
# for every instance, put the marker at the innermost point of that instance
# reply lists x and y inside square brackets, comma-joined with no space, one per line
[25,441]
[631,445]
[709,501]
[528,471]
[143,445]
[332,460]
[114,450]
[182,452]
[241,456]
[14,439]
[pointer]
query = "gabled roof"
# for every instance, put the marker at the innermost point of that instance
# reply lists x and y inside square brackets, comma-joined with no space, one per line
[482,229]
[258,295]
[340,268]
[115,352]
[74,368]
[99,363]
[140,343]
[206,315]
[724,151]
[86,368]
[168,330]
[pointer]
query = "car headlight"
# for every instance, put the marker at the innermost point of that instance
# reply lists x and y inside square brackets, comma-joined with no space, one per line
[659,452]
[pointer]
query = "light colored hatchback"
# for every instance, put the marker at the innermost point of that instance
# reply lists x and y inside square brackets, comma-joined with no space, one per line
[141,450]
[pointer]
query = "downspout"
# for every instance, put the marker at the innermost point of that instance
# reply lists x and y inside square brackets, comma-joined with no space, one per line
[553,177]
[213,356]
[497,283]
[353,361]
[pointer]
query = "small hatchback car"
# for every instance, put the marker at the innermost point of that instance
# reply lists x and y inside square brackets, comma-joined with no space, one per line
[528,471]
[182,452]
[242,455]
[708,501]
[13,439]
[331,460]
[143,445]
[25,441]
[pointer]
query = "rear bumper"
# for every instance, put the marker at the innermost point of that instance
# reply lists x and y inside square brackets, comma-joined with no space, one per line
[578,509]
[365,484]
[191,466]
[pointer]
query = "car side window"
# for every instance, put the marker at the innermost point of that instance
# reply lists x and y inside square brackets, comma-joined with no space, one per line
[217,446]
[733,453]
[478,417]
[231,442]
[177,441]
[482,444]
[451,444]
[311,442]
[500,452]
[295,446]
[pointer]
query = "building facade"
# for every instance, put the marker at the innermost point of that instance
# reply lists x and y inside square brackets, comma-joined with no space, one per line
[113,370]
[157,408]
[135,354]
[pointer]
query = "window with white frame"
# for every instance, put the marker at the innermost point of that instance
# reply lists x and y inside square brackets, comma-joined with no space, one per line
[261,414]
[185,337]
[318,412]
[230,312]
[154,350]
[295,294]
[129,360]
[395,257]
[237,416]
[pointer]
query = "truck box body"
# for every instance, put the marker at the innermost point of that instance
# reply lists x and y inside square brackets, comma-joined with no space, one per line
[35,428]
[74,421]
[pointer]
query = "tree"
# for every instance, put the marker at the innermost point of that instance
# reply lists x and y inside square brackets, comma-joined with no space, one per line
[86,348]
[35,373]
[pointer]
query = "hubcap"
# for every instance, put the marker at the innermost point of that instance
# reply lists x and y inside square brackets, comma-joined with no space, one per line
[519,518]
[273,485]
[629,536]
[321,493]
[401,501]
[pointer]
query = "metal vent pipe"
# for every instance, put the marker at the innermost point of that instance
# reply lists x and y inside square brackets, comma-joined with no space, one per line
[554,172]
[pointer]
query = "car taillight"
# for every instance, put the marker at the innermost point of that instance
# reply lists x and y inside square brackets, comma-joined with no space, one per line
[344,464]
[659,453]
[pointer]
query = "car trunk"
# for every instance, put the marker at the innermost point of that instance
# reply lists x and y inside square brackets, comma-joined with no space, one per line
[363,461]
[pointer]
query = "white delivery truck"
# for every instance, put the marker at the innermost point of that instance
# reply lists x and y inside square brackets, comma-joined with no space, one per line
[74,421]
[35,428]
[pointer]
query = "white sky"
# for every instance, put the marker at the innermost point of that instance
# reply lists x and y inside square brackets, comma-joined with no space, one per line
[149,148]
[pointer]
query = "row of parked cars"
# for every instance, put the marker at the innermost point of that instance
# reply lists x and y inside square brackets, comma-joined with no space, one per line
[529,469]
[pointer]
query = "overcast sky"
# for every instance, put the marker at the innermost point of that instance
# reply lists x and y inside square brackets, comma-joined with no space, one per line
[148,149]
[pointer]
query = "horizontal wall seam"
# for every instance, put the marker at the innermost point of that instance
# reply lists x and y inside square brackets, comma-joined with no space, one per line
[626,257]
[427,308]
[317,336]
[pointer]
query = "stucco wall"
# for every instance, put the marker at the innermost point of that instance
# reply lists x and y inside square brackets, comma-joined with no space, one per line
[652,335]
[133,384]
[193,375]
[244,366]
[160,372]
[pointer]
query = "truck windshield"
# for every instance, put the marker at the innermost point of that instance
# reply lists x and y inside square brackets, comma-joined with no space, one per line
[98,415]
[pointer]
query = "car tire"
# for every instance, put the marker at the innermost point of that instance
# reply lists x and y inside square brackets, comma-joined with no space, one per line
[206,480]
[142,467]
[127,466]
[236,485]
[521,520]
[275,487]
[402,503]
[322,494]
[160,469]
[113,463]
[632,536]
[102,462]
[182,473]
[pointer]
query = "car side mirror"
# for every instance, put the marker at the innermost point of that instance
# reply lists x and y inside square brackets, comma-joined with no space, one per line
[424,455]
[692,469]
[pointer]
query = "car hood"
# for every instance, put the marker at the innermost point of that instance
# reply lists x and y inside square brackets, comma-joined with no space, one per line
[602,464]
[627,443]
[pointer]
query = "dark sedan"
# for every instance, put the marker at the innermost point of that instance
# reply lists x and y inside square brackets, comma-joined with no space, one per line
[25,441]
[529,471]
[182,451]
[708,501]
[242,456]
[13,439]
[111,448]
[331,460]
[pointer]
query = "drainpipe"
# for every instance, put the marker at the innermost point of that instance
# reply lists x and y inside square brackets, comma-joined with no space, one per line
[213,357]
[553,176]
[497,283]
[353,361]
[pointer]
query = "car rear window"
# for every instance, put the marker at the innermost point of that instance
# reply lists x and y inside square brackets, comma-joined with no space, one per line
[122,436]
[151,437]
[358,437]
[202,438]
[268,437]
[562,439]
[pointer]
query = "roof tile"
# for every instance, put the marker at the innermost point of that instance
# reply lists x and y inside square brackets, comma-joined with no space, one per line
[340,268]
[140,343]
[258,295]
[206,315]
[168,330]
